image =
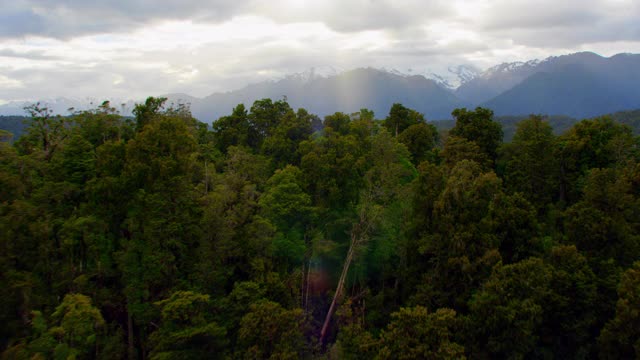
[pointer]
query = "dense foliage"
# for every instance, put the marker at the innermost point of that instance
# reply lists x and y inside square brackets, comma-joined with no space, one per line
[274,235]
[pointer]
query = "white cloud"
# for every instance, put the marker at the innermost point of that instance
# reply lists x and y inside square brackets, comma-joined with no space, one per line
[9,83]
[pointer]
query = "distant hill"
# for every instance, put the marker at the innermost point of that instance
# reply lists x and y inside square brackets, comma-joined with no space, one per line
[500,78]
[571,91]
[66,106]
[579,85]
[13,124]
[559,123]
[629,118]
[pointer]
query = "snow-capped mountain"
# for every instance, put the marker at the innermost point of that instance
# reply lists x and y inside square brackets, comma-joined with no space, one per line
[579,85]
[455,76]
[511,67]
[313,73]
[502,77]
[347,92]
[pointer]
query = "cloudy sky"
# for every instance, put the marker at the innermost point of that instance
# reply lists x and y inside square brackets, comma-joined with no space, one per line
[129,49]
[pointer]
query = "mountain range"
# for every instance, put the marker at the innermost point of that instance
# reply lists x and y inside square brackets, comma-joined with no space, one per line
[578,85]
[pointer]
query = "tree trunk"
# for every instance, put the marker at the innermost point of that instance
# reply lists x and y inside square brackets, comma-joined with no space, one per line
[359,236]
[132,351]
[339,288]
[306,296]
[302,275]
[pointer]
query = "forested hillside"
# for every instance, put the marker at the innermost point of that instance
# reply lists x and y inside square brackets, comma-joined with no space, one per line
[274,235]
[13,125]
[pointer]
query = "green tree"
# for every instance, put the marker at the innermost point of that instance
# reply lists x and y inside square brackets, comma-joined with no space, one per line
[478,126]
[232,130]
[161,226]
[264,117]
[400,118]
[602,224]
[507,313]
[531,164]
[186,330]
[268,331]
[461,252]
[572,311]
[420,139]
[333,166]
[283,143]
[457,149]
[620,338]
[338,122]
[237,243]
[103,124]
[596,143]
[78,160]
[353,341]
[413,333]
[45,132]
[78,326]
[147,112]
[512,220]
[288,207]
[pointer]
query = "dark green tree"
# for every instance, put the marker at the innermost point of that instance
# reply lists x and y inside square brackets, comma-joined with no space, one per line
[420,139]
[478,126]
[414,333]
[232,130]
[147,112]
[400,118]
[187,330]
[531,164]
[507,313]
[268,331]
[620,338]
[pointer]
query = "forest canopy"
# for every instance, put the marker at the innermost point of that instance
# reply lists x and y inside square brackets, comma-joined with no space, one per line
[275,234]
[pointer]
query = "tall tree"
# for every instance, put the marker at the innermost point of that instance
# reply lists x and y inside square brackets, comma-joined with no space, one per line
[531,164]
[620,338]
[414,333]
[45,133]
[400,118]
[478,126]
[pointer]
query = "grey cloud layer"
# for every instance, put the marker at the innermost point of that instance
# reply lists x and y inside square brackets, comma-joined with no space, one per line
[69,18]
[414,34]
[521,20]
[552,23]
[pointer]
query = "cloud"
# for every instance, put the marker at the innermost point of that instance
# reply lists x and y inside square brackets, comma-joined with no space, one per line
[65,19]
[559,24]
[29,55]
[9,83]
[358,15]
[137,48]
